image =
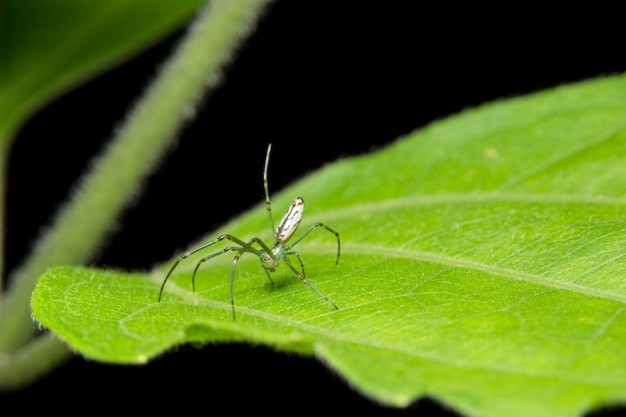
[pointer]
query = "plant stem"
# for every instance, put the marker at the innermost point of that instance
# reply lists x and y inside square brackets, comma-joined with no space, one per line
[38,357]
[3,174]
[115,176]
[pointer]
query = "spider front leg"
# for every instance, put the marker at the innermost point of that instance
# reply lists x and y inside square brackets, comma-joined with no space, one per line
[238,241]
[247,248]
[297,255]
[315,226]
[302,278]
[206,258]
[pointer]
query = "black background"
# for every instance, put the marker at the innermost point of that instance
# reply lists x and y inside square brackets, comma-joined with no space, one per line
[321,81]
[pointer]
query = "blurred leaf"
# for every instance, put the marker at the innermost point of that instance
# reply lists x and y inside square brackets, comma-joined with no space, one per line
[49,47]
[482,264]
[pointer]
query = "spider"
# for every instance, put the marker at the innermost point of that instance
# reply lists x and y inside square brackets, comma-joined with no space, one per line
[270,256]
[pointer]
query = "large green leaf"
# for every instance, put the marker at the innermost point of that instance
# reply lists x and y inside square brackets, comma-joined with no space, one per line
[482,264]
[47,47]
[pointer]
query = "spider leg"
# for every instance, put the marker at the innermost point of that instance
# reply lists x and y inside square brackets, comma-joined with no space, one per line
[268,206]
[297,255]
[267,250]
[247,247]
[206,258]
[238,241]
[315,226]
[268,276]
[302,278]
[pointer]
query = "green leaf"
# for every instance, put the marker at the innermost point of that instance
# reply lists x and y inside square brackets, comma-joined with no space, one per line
[48,47]
[482,264]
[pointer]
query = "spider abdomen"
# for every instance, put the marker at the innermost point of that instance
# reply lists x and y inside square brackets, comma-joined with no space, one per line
[290,221]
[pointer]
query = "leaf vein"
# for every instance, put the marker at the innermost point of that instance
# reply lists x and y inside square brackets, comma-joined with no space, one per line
[489,269]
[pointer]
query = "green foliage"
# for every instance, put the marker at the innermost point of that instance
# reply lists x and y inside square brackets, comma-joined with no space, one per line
[49,47]
[482,264]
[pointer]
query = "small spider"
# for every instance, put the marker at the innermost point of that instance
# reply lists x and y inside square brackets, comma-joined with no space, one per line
[270,256]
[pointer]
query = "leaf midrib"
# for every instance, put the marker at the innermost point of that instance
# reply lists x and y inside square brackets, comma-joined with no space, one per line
[448,198]
[359,249]
[488,269]
[422,200]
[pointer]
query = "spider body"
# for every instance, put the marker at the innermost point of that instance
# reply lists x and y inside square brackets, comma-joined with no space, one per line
[270,256]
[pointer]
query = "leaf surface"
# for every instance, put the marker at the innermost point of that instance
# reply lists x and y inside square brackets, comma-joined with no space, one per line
[482,263]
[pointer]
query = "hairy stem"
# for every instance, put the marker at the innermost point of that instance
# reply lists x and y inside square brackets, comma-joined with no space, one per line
[38,357]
